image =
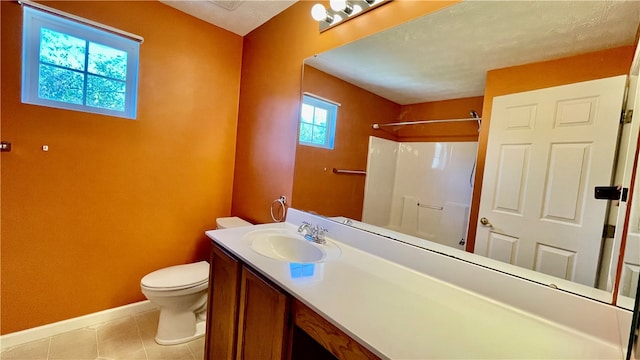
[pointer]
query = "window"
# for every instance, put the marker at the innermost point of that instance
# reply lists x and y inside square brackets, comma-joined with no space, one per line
[70,65]
[317,122]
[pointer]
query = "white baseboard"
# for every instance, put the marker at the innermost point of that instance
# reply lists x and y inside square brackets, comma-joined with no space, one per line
[44,331]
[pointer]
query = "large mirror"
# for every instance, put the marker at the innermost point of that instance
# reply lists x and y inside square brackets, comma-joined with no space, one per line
[476,68]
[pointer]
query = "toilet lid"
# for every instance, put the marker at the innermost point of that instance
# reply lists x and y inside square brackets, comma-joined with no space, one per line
[178,276]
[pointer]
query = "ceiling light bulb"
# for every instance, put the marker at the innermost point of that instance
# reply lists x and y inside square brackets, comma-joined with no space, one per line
[319,13]
[341,5]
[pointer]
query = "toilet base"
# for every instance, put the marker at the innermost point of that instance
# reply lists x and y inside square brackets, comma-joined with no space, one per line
[200,330]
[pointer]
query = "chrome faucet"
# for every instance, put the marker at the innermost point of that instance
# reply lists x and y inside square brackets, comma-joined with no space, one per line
[312,233]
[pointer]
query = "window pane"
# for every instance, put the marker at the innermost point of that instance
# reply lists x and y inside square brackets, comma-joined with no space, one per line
[69,65]
[319,135]
[320,117]
[307,113]
[105,93]
[61,49]
[60,84]
[305,132]
[317,122]
[107,61]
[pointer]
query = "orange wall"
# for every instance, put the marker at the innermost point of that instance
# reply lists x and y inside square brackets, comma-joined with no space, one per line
[315,186]
[591,66]
[438,110]
[270,94]
[114,199]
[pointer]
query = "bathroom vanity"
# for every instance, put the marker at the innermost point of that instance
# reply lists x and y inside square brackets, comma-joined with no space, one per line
[251,319]
[369,297]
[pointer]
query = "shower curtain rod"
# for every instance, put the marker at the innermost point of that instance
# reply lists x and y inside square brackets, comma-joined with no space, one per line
[378,126]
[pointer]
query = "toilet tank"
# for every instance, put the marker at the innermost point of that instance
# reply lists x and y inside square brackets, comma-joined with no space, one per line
[231,222]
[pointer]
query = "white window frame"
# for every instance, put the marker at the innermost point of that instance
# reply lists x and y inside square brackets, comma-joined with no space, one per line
[332,118]
[34,20]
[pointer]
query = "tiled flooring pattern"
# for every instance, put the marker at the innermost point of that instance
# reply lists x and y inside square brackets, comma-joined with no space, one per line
[128,338]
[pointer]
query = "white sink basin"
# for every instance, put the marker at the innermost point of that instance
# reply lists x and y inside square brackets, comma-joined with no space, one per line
[289,246]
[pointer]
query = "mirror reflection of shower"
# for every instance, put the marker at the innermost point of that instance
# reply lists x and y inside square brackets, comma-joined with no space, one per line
[420,188]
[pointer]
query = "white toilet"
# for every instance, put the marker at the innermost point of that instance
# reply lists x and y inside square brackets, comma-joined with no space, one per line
[181,293]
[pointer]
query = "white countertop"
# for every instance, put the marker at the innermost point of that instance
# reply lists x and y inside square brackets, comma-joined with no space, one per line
[400,313]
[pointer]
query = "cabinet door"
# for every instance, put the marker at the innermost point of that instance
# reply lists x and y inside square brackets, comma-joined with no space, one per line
[263,325]
[222,312]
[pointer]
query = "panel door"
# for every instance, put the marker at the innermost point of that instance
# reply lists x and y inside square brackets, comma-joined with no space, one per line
[630,267]
[222,312]
[263,325]
[630,271]
[546,152]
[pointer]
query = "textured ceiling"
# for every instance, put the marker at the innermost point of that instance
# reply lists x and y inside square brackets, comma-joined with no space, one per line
[239,17]
[446,55]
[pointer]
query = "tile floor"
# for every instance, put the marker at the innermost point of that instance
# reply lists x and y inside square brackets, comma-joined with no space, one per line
[128,338]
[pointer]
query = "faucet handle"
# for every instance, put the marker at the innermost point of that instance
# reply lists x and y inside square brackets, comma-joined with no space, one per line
[320,232]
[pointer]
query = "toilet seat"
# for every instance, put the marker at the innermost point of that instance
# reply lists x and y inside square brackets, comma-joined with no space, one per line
[177,277]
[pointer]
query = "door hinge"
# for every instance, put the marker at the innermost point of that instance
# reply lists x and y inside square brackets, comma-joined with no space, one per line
[5,146]
[609,231]
[626,116]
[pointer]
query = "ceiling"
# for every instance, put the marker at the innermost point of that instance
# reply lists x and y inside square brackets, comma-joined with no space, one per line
[239,17]
[446,55]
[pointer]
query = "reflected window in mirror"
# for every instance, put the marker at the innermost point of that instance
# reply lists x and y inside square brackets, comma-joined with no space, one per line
[317,122]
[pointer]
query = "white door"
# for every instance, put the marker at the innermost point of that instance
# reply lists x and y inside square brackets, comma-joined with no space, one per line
[630,271]
[546,152]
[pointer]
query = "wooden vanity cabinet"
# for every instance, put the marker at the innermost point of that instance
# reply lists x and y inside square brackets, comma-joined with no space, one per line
[263,323]
[334,340]
[250,318]
[222,307]
[247,317]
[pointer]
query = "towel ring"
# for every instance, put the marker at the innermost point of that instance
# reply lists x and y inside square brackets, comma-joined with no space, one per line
[283,209]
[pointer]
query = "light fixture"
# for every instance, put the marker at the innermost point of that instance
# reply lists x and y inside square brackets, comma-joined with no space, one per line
[342,10]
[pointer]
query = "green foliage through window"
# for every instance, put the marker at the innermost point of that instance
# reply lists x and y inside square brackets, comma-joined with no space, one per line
[317,122]
[73,66]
